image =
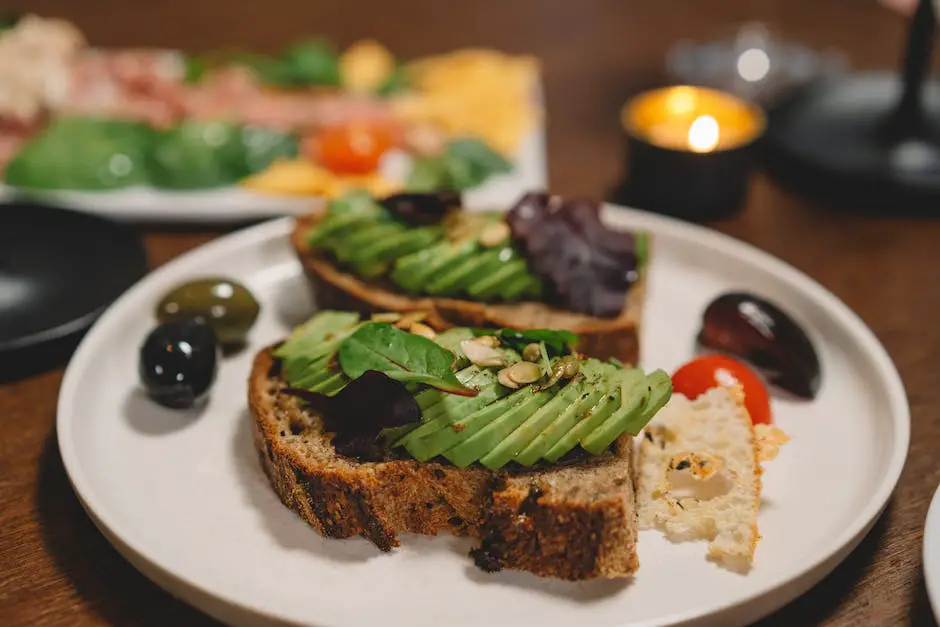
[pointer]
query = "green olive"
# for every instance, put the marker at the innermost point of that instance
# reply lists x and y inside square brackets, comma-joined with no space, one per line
[225,305]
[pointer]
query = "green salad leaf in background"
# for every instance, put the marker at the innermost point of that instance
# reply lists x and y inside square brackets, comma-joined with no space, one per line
[100,154]
[304,64]
[83,153]
[197,155]
[311,62]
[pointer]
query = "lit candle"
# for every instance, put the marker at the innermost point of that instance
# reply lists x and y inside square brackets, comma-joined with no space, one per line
[689,151]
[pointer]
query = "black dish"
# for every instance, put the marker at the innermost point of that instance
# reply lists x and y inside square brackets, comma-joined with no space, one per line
[834,141]
[59,270]
[866,141]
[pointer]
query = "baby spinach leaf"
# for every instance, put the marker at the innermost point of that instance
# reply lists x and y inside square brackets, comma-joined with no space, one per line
[83,153]
[403,356]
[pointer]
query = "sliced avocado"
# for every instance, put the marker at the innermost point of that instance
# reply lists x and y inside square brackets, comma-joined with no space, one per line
[453,409]
[507,440]
[331,385]
[387,437]
[347,249]
[579,410]
[492,285]
[428,397]
[659,388]
[402,243]
[452,406]
[601,410]
[456,279]
[419,260]
[435,437]
[414,271]
[300,367]
[313,376]
[472,447]
[624,402]
[305,338]
[660,393]
[336,226]
[522,287]
[313,342]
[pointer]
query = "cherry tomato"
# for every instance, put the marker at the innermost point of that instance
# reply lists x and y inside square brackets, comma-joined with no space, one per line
[704,373]
[354,148]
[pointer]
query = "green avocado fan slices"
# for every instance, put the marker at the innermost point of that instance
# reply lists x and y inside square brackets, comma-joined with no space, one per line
[486,412]
[363,236]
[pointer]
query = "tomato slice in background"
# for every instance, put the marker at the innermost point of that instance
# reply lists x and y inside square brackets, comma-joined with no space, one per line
[704,373]
[354,148]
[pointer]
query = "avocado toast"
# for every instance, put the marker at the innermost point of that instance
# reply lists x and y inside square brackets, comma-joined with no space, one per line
[365,428]
[547,263]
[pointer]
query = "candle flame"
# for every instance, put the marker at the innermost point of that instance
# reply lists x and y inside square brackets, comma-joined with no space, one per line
[703,134]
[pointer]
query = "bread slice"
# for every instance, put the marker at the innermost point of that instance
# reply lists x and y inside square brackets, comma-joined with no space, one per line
[699,474]
[602,338]
[572,521]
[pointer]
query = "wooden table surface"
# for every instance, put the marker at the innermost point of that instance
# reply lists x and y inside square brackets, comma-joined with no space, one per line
[55,569]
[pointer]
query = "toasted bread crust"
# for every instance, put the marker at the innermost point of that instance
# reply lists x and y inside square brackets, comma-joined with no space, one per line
[525,523]
[600,337]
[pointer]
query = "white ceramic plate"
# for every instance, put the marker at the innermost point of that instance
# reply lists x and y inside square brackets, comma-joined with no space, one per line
[234,204]
[183,497]
[932,554]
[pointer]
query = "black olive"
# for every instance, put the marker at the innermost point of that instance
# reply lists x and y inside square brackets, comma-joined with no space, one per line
[759,332]
[178,362]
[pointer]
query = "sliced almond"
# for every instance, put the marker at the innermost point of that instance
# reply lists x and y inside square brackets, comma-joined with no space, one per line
[389,317]
[424,330]
[523,372]
[482,355]
[503,377]
[494,234]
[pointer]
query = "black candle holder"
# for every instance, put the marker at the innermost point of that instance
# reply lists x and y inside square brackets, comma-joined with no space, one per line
[675,179]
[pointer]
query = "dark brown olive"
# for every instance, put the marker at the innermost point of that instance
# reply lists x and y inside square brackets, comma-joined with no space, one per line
[422,209]
[757,331]
[178,363]
[225,305]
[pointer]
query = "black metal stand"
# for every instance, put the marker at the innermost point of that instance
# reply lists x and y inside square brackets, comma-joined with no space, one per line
[865,141]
